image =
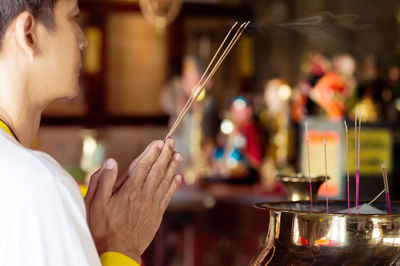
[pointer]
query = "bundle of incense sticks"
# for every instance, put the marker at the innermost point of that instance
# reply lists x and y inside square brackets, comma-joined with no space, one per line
[347,166]
[309,168]
[326,178]
[207,75]
[386,184]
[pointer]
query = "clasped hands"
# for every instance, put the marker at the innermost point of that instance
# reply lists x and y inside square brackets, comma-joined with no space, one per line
[124,213]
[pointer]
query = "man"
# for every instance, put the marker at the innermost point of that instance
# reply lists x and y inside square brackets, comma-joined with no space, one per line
[44,220]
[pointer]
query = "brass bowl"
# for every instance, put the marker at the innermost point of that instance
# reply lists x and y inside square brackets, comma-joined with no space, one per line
[298,186]
[297,237]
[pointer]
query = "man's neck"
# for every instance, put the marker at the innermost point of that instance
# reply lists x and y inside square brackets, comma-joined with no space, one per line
[23,124]
[18,108]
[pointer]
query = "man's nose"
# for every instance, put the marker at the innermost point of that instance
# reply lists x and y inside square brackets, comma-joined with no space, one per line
[83,41]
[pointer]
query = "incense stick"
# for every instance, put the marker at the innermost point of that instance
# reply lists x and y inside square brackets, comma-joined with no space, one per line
[217,65]
[204,74]
[229,48]
[309,168]
[347,166]
[326,177]
[355,159]
[358,161]
[196,88]
[386,184]
[372,201]
[359,139]
[217,52]
[204,78]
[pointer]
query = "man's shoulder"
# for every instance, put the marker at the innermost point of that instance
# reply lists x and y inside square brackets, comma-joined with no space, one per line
[41,207]
[18,162]
[23,171]
[33,178]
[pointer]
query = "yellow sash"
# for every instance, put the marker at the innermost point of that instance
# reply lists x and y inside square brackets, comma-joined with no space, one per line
[7,129]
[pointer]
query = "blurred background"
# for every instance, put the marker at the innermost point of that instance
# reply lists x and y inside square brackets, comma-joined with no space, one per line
[299,60]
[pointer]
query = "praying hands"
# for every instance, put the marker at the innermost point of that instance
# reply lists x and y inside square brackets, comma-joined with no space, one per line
[125,213]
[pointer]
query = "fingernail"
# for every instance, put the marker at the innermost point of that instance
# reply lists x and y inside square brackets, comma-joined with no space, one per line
[109,164]
[160,144]
[171,143]
[179,178]
[178,157]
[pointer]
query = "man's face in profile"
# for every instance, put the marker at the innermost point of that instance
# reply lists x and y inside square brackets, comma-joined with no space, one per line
[61,61]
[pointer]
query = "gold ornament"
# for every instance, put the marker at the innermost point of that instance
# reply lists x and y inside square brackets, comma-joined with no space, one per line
[160,13]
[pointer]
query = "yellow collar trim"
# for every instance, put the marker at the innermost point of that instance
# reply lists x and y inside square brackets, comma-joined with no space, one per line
[7,129]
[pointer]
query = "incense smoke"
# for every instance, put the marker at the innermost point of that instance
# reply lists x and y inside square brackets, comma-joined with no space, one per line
[317,27]
[322,25]
[328,19]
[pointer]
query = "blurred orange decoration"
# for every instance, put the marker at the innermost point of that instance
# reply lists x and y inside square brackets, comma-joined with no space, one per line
[333,88]
[328,94]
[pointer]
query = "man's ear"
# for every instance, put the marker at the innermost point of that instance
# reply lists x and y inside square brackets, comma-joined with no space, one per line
[25,33]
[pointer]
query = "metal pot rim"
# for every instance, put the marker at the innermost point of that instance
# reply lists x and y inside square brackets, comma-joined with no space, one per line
[299,177]
[272,207]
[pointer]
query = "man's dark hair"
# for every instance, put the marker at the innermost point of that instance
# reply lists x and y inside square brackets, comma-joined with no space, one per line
[40,9]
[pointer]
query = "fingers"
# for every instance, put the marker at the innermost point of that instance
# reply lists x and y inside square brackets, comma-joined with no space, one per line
[170,192]
[107,178]
[166,180]
[121,180]
[138,159]
[143,167]
[159,168]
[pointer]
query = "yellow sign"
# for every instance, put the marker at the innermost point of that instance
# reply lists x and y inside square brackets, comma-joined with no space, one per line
[375,148]
[92,62]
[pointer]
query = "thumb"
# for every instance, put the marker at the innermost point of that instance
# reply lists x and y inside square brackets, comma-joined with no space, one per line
[107,179]
[94,182]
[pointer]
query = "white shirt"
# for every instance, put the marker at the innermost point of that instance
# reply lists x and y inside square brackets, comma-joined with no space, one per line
[42,213]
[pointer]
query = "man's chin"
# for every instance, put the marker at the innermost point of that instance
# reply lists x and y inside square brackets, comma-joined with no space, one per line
[74,93]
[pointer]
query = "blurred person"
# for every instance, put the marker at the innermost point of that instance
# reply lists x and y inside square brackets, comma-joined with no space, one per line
[276,123]
[239,151]
[277,96]
[242,117]
[44,220]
